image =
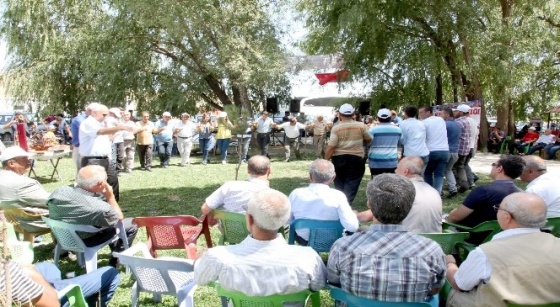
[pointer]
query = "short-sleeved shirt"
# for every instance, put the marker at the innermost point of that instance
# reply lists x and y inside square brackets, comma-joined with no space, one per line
[546,186]
[319,127]
[167,134]
[292,131]
[383,150]
[232,196]
[436,134]
[75,205]
[92,144]
[414,138]
[24,289]
[387,263]
[348,138]
[145,136]
[264,126]
[187,129]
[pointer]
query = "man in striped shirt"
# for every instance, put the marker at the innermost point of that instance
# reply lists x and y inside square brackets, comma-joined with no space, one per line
[366,263]
[464,147]
[383,151]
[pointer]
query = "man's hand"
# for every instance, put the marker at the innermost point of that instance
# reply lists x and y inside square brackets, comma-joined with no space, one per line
[107,190]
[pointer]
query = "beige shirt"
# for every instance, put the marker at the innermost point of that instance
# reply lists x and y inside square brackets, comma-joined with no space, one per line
[319,127]
[348,138]
[145,136]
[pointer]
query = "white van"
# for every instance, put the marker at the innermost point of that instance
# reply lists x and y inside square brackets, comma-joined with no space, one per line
[326,106]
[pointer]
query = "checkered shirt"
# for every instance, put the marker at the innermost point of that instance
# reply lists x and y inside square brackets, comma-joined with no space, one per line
[387,263]
[465,136]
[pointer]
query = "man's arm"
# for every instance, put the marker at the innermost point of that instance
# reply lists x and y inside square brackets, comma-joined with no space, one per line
[459,214]
[113,130]
[205,209]
[33,194]
[365,216]
[333,272]
[319,277]
[473,271]
[329,152]
[47,298]
[206,268]
[347,217]
[108,193]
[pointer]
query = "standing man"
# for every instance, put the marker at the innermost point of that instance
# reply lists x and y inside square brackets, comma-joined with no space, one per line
[291,130]
[95,144]
[164,137]
[464,150]
[473,141]
[129,146]
[453,134]
[263,126]
[436,141]
[319,126]
[542,183]
[414,135]
[346,148]
[114,119]
[145,141]
[185,131]
[383,151]
[75,129]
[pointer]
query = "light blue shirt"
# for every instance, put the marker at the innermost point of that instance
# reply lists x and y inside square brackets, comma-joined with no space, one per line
[383,151]
[264,126]
[414,138]
[167,134]
[75,129]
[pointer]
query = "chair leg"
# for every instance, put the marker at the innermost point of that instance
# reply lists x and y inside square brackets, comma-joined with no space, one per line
[185,295]
[135,294]
[57,251]
[156,297]
[28,237]
[91,261]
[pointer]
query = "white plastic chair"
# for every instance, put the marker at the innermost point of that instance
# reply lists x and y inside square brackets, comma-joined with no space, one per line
[68,239]
[166,275]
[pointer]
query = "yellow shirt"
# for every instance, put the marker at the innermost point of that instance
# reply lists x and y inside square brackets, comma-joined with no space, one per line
[224,131]
[145,136]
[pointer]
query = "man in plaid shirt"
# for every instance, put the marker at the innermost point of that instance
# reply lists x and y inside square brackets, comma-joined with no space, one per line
[388,263]
[464,149]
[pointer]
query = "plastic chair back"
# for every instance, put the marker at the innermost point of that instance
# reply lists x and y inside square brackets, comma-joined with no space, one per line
[322,234]
[553,223]
[173,232]
[234,226]
[241,300]
[66,235]
[18,218]
[157,276]
[356,301]
[504,146]
[492,226]
[20,251]
[74,295]
[447,241]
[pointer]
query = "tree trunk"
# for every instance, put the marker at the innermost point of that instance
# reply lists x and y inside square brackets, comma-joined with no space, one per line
[439,90]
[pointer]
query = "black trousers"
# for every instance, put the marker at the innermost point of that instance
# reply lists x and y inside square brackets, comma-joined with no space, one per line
[349,171]
[112,176]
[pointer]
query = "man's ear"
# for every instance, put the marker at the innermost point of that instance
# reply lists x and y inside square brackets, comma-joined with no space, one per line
[249,220]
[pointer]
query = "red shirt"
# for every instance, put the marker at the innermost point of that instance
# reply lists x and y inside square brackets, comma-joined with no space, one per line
[530,136]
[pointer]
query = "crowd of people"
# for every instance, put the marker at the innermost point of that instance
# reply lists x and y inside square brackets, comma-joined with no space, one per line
[404,198]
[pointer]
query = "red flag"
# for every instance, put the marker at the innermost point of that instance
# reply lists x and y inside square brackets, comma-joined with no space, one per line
[338,76]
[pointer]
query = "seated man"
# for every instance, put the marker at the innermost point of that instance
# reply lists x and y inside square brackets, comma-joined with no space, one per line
[529,138]
[83,205]
[21,192]
[232,196]
[519,265]
[263,264]
[478,206]
[542,183]
[388,263]
[320,202]
[551,149]
[495,138]
[38,284]
[544,140]
[425,215]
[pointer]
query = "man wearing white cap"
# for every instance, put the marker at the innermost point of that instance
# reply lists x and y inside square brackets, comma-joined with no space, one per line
[529,138]
[383,151]
[346,148]
[20,191]
[185,129]
[464,147]
[164,137]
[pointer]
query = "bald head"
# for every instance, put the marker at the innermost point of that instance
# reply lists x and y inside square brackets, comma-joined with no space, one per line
[270,209]
[409,167]
[90,176]
[534,167]
[258,166]
[321,171]
[527,210]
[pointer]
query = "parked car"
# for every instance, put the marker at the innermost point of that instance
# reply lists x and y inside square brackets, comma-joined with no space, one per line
[6,117]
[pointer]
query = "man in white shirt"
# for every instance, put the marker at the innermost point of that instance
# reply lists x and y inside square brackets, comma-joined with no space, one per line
[263,264]
[436,141]
[232,196]
[129,143]
[414,135]
[475,130]
[542,183]
[95,143]
[117,139]
[320,202]
[185,130]
[426,211]
[291,129]
[263,126]
[519,265]
[543,140]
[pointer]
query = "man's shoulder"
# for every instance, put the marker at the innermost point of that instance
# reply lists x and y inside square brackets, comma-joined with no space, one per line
[12,179]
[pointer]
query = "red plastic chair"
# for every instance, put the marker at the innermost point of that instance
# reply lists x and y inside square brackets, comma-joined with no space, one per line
[173,232]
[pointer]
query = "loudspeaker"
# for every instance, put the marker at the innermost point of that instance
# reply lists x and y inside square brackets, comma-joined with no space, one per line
[364,107]
[294,105]
[272,105]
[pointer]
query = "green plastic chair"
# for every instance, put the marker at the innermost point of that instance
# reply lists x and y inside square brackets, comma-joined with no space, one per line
[322,234]
[74,295]
[447,241]
[553,224]
[20,251]
[277,300]
[465,248]
[356,301]
[234,226]
[504,146]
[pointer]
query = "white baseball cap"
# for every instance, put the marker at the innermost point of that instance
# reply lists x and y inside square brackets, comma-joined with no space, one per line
[384,113]
[463,108]
[13,152]
[166,114]
[115,111]
[346,109]
[532,128]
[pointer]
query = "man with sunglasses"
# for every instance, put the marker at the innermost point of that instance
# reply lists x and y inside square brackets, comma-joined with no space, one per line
[20,191]
[519,265]
[478,205]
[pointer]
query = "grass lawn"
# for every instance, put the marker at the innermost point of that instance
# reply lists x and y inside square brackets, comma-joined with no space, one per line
[182,190]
